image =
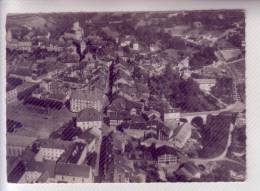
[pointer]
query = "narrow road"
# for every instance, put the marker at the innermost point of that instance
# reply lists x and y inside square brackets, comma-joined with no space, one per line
[218,99]
[236,107]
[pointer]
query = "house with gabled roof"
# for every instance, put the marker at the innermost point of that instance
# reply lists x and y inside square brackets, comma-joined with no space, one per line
[73,173]
[89,118]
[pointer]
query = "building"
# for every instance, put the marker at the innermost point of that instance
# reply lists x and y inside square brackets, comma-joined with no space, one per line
[237,175]
[183,64]
[153,114]
[82,99]
[79,32]
[206,84]
[12,125]
[155,47]
[172,114]
[182,134]
[89,139]
[230,54]
[135,46]
[33,171]
[46,84]
[117,105]
[189,170]
[82,46]
[137,130]
[124,169]
[119,142]
[11,95]
[51,150]
[166,156]
[73,173]
[89,118]
[117,117]
[16,144]
[57,88]
[15,170]
[25,90]
[126,41]
[142,91]
[19,45]
[126,91]
[54,48]
[9,36]
[166,130]
[11,89]
[241,119]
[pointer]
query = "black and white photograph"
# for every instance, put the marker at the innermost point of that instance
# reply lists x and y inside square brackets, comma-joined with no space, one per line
[126,97]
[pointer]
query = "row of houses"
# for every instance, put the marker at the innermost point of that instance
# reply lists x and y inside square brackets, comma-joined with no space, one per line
[51,160]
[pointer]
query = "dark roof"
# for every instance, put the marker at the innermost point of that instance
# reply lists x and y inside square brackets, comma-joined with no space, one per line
[72,154]
[133,104]
[141,87]
[44,103]
[22,72]
[72,170]
[118,104]
[119,115]
[190,167]
[90,114]
[16,171]
[57,144]
[43,178]
[87,136]
[28,154]
[137,126]
[154,122]
[137,119]
[35,166]
[164,150]
[12,83]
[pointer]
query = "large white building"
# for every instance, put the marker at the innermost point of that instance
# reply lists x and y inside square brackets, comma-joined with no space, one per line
[51,149]
[82,99]
[172,115]
[206,84]
[182,134]
[166,156]
[33,171]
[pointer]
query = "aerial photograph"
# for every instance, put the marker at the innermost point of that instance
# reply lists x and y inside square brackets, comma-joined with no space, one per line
[126,97]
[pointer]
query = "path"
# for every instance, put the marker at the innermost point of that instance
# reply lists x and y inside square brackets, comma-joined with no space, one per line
[222,156]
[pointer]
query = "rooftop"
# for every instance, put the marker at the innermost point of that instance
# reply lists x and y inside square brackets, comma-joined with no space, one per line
[89,94]
[19,140]
[228,54]
[205,81]
[87,136]
[90,114]
[35,166]
[72,154]
[165,150]
[119,115]
[72,170]
[55,144]
[25,86]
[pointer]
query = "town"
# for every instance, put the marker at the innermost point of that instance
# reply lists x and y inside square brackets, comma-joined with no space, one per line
[126,97]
